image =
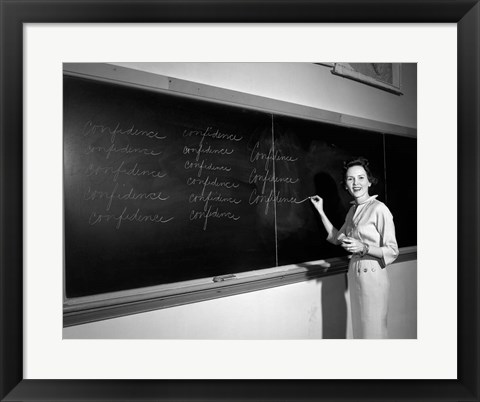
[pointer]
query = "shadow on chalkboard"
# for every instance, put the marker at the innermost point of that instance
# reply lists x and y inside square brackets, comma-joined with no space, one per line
[327,188]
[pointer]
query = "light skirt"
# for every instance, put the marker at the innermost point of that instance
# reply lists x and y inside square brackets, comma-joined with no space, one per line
[369,287]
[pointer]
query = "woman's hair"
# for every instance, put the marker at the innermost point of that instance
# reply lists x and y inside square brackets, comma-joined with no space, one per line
[359,161]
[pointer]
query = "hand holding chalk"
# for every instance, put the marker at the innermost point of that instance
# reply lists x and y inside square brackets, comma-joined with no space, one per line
[317,202]
[302,201]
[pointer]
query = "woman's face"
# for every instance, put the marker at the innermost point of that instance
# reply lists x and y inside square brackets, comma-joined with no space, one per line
[357,183]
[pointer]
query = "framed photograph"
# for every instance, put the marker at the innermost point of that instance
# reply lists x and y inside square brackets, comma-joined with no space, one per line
[40,363]
[386,76]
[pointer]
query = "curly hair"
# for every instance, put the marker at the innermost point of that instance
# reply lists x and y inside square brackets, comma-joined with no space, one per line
[359,161]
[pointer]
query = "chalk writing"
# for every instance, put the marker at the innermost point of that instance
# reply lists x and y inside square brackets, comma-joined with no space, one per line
[205,197]
[206,215]
[210,132]
[273,196]
[209,166]
[95,170]
[209,150]
[121,192]
[127,149]
[212,197]
[192,181]
[92,195]
[267,177]
[271,156]
[90,128]
[96,218]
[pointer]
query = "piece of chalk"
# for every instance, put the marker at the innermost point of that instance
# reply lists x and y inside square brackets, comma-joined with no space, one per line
[222,278]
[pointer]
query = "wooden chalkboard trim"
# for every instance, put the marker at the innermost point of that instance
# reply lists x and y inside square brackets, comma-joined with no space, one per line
[83,310]
[135,78]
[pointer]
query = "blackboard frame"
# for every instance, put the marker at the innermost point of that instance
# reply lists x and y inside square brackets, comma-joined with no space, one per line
[81,310]
[14,386]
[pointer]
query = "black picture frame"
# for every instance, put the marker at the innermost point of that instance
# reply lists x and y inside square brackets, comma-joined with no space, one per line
[464,13]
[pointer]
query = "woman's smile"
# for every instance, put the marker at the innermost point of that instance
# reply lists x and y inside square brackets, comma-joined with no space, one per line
[357,183]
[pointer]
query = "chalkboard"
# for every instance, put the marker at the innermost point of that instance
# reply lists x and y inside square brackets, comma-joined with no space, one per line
[161,188]
[401,173]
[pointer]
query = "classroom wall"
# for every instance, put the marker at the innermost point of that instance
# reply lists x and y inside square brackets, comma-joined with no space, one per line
[307,310]
[306,84]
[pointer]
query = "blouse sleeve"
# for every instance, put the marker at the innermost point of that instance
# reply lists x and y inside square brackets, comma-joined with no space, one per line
[336,236]
[388,242]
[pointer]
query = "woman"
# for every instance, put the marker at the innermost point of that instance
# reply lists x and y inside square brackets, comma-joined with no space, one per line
[369,234]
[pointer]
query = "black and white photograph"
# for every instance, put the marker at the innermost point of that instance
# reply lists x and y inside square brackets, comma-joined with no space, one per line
[239,200]
[197,211]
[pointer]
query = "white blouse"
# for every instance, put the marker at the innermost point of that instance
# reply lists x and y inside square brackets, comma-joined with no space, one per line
[370,222]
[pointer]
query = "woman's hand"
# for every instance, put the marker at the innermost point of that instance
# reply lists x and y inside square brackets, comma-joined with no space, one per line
[317,203]
[352,245]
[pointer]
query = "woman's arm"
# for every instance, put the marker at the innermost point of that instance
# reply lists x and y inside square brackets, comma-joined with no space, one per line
[386,228]
[332,232]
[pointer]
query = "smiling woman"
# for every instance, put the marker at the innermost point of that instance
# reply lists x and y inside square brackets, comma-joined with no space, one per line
[369,235]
